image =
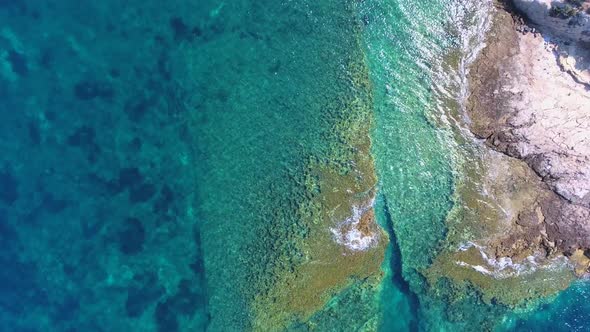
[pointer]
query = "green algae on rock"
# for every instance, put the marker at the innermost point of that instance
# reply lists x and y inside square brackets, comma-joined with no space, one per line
[497,240]
[288,158]
[343,245]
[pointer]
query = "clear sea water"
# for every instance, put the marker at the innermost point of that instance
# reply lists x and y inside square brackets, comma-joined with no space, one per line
[153,153]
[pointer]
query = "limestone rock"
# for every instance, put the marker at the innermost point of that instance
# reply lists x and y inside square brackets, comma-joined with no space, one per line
[524,104]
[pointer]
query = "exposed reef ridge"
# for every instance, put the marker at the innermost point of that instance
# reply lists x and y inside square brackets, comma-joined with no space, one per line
[358,232]
[506,267]
[529,101]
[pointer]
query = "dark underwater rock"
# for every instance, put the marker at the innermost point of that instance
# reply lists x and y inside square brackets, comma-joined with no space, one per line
[83,136]
[131,237]
[67,309]
[136,108]
[7,233]
[198,266]
[52,204]
[91,227]
[197,31]
[142,193]
[179,28]
[163,66]
[129,177]
[18,62]
[18,286]
[164,201]
[46,59]
[34,133]
[185,302]
[8,188]
[143,292]
[87,90]
[166,318]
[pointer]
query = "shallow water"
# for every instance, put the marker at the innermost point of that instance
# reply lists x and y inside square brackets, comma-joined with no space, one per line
[159,160]
[419,54]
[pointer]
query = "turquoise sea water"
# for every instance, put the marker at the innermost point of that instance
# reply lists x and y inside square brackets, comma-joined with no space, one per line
[154,157]
[407,42]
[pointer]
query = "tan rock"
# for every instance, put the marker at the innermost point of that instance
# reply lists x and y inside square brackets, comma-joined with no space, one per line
[581,262]
[527,107]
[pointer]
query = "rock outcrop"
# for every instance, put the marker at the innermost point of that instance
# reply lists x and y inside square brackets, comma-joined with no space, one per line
[525,104]
[561,18]
[567,24]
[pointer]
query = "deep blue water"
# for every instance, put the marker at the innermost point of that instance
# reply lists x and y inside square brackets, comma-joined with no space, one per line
[95,186]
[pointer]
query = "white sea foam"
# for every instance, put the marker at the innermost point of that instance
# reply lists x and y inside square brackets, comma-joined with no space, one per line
[347,232]
[505,267]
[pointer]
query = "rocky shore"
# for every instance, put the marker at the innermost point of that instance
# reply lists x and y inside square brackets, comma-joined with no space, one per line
[530,100]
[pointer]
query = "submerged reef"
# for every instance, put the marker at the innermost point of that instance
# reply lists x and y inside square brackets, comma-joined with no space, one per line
[282,111]
[343,245]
